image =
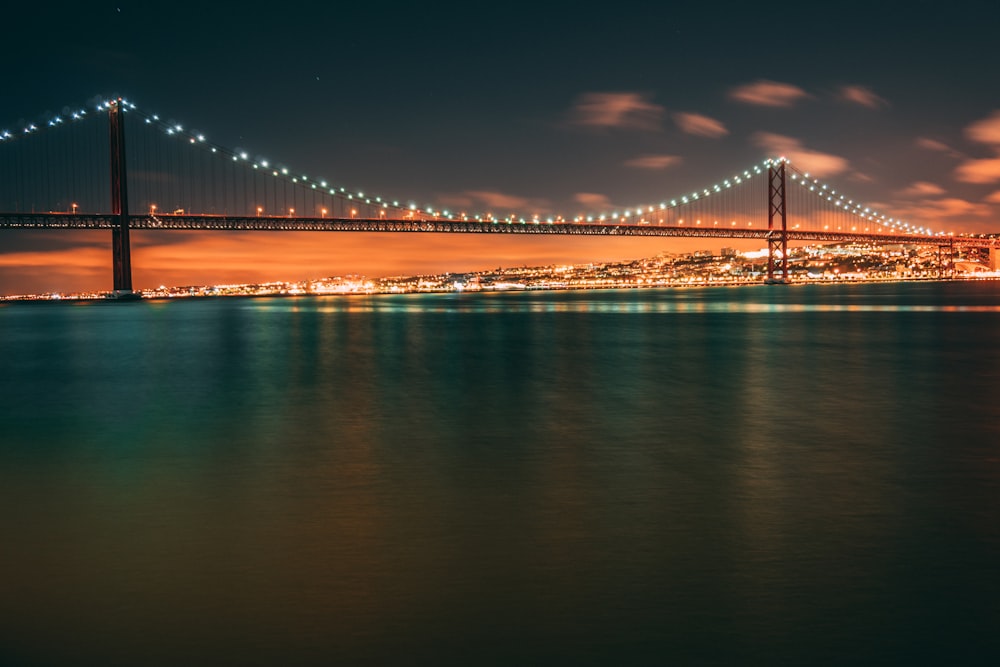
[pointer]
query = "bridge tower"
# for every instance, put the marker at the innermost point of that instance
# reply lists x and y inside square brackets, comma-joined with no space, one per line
[777,240]
[120,247]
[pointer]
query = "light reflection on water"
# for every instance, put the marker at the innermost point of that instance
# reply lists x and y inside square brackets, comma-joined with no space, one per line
[730,476]
[619,308]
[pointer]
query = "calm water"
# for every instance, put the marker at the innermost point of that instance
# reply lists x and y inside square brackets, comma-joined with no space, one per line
[771,475]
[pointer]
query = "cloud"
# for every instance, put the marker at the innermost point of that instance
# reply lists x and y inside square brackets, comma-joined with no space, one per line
[863,96]
[816,163]
[495,201]
[993,198]
[593,201]
[619,110]
[768,94]
[949,208]
[935,145]
[654,161]
[922,189]
[701,126]
[953,207]
[932,145]
[979,171]
[985,131]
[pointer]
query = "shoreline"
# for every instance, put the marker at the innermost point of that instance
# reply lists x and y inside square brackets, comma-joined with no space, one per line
[108,298]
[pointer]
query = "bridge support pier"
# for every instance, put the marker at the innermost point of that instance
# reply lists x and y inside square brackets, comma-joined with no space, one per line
[777,240]
[946,264]
[994,258]
[121,252]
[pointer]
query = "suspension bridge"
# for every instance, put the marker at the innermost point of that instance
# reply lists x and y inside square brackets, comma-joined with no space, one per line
[58,174]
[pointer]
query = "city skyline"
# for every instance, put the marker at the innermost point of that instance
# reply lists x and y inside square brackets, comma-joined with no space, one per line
[830,263]
[534,114]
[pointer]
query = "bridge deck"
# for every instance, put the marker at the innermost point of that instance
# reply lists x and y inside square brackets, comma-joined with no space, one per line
[301,224]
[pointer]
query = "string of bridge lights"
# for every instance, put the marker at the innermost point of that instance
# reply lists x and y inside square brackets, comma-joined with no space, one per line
[263,164]
[665,205]
[825,192]
[822,190]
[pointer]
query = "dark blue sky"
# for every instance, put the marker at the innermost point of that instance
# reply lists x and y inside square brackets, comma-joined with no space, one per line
[561,106]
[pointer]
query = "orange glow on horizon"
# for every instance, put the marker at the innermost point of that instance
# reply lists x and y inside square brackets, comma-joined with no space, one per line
[177,258]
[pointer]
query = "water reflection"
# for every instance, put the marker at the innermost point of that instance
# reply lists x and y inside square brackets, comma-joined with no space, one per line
[636,477]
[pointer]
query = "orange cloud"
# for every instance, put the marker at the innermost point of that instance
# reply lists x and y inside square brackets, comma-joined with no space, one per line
[948,209]
[499,200]
[654,161]
[993,198]
[593,201]
[935,145]
[922,189]
[816,163]
[863,96]
[953,207]
[618,110]
[979,171]
[932,144]
[985,131]
[768,94]
[701,126]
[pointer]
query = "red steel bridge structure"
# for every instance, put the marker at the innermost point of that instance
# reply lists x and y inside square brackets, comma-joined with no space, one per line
[181,181]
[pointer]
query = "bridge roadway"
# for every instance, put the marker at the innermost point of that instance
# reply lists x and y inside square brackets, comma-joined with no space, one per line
[299,224]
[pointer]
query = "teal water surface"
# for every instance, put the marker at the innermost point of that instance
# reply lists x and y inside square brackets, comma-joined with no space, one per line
[766,475]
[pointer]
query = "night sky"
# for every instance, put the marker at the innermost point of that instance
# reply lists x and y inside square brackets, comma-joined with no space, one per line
[557,108]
